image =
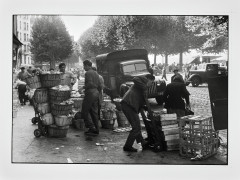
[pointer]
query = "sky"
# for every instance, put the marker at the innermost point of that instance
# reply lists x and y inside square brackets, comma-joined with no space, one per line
[76,25]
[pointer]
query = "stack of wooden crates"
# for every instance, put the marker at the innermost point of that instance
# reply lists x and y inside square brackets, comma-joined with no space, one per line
[170,130]
[197,137]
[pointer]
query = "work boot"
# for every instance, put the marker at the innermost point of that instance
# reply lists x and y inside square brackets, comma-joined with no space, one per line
[129,149]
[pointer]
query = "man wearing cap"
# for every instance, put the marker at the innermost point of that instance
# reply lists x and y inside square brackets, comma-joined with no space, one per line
[177,74]
[90,103]
[22,75]
[67,77]
[173,97]
[132,103]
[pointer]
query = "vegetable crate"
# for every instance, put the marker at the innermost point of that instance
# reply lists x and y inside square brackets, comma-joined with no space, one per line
[197,136]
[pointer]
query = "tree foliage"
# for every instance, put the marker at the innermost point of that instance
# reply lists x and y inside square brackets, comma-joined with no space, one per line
[215,27]
[160,35]
[50,40]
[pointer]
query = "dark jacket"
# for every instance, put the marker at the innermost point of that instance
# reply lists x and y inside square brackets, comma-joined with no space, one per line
[136,95]
[92,80]
[179,76]
[174,94]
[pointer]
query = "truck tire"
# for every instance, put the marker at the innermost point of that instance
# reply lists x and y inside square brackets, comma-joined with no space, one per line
[159,100]
[195,81]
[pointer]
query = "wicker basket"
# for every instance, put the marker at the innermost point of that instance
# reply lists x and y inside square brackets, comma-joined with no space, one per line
[41,95]
[108,123]
[50,80]
[57,132]
[77,102]
[61,109]
[57,96]
[63,120]
[107,114]
[43,108]
[121,119]
[47,119]
[78,124]
[34,82]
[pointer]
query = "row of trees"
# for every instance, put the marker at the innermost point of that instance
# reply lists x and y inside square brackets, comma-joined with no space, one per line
[51,42]
[160,35]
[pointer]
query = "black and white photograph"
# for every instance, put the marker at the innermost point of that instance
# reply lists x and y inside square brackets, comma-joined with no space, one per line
[104,89]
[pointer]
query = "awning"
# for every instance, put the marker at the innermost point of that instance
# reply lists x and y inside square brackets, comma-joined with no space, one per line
[16,40]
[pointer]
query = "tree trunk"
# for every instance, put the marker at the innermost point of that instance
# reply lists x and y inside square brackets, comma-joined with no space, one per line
[166,59]
[52,62]
[180,61]
[155,59]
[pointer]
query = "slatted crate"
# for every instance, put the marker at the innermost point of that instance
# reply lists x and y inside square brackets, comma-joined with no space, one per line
[197,136]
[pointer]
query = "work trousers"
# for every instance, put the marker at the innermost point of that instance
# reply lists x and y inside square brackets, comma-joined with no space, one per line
[90,106]
[133,118]
[21,93]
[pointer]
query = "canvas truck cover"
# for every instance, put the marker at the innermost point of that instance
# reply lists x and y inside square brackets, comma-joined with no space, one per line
[110,60]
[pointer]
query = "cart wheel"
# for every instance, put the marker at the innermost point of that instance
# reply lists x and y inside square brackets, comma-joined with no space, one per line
[34,120]
[37,133]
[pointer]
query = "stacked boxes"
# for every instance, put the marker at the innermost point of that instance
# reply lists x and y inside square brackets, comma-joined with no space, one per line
[197,137]
[170,130]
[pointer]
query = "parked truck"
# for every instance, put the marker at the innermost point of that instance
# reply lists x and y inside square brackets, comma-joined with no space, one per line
[120,67]
[203,72]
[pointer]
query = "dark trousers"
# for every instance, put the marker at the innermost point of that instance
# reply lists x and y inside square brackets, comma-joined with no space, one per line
[90,106]
[21,93]
[133,118]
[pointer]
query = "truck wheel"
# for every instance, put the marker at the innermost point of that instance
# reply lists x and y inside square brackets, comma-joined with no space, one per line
[195,82]
[159,100]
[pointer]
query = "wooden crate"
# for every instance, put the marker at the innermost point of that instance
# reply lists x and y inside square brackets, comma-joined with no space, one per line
[197,136]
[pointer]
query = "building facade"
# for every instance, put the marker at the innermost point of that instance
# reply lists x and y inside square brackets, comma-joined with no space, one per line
[24,34]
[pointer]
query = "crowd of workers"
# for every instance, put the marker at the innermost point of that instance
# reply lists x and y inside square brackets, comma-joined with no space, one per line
[135,100]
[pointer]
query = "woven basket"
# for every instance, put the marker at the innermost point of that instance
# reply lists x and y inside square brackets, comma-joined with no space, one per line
[43,108]
[57,132]
[41,95]
[78,124]
[50,80]
[107,114]
[34,82]
[60,109]
[63,120]
[121,119]
[108,123]
[77,102]
[57,96]
[47,119]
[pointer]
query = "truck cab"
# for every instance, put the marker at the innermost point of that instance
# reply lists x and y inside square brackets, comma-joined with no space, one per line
[203,72]
[120,67]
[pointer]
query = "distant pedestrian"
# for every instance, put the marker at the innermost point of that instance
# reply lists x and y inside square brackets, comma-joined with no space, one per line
[176,73]
[29,70]
[164,73]
[22,76]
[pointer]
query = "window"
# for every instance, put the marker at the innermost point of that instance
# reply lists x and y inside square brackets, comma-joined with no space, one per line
[27,37]
[20,36]
[128,68]
[20,25]
[27,26]
[24,37]
[140,67]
